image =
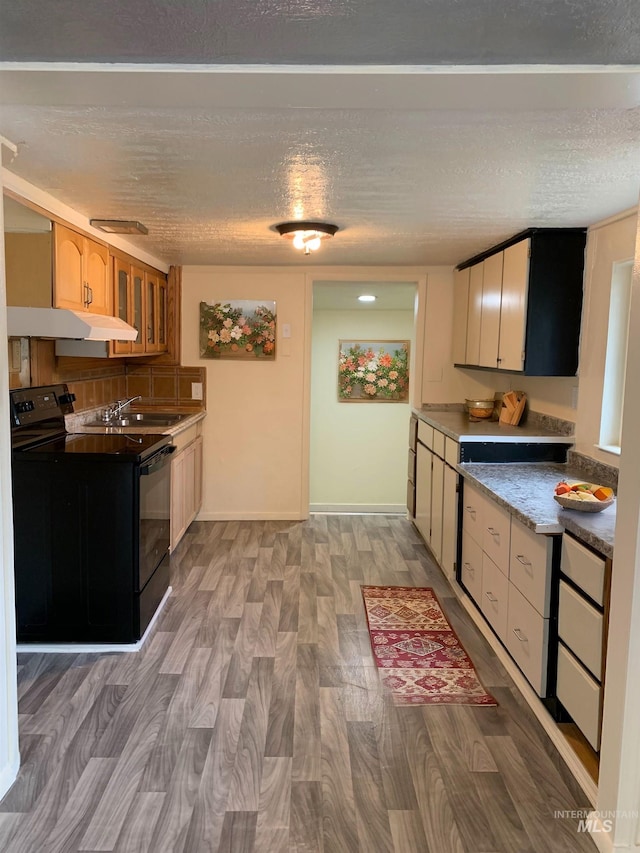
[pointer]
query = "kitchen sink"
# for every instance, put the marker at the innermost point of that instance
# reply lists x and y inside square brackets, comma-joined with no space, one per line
[139,419]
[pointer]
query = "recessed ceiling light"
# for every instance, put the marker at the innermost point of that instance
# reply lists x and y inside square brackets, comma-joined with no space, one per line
[119,226]
[366,297]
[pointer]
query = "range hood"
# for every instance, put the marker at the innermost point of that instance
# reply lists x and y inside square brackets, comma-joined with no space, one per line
[65,323]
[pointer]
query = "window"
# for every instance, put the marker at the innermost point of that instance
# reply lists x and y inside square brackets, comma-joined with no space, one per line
[616,359]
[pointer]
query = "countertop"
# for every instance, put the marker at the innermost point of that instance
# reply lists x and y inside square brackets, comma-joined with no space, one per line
[456,425]
[526,490]
[76,423]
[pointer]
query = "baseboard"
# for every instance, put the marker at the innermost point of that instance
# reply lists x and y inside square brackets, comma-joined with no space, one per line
[9,774]
[250,516]
[600,834]
[360,509]
[81,648]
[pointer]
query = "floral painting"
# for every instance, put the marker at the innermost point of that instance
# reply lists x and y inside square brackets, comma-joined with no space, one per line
[238,329]
[373,370]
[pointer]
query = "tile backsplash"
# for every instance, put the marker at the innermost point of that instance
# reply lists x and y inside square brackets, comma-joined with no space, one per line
[165,385]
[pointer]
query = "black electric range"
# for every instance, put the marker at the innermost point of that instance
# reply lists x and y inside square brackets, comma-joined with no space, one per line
[91,524]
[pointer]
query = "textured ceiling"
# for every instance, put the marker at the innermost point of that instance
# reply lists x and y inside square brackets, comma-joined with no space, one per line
[415,165]
[411,32]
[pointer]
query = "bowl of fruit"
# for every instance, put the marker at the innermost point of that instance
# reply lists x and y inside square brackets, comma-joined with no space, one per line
[585,497]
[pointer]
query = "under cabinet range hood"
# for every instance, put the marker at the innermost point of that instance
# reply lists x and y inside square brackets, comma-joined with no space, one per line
[65,323]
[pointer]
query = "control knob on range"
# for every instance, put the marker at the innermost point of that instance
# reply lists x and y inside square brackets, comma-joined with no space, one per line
[25,406]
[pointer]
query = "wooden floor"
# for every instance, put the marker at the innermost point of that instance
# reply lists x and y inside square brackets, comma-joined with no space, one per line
[253,720]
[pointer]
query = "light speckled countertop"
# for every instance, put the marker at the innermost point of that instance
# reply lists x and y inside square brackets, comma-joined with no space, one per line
[456,425]
[526,490]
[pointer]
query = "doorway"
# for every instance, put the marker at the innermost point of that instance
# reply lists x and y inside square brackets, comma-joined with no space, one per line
[358,447]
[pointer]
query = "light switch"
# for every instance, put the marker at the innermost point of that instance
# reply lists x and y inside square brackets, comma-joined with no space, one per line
[286,330]
[196,390]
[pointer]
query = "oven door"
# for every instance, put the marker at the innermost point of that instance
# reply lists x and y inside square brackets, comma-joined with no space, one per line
[155,512]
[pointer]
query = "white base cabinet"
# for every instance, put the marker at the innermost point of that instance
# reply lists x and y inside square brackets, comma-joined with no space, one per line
[186,485]
[506,569]
[436,495]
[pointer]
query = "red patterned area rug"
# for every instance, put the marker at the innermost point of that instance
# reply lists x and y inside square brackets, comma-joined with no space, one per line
[421,659]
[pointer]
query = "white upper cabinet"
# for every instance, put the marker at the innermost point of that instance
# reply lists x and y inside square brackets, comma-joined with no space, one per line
[491,301]
[524,304]
[460,315]
[474,314]
[513,306]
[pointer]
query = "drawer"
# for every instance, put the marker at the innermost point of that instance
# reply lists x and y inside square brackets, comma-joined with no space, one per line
[184,438]
[580,628]
[472,511]
[451,452]
[495,597]
[580,694]
[583,567]
[528,640]
[530,565]
[413,432]
[411,499]
[425,434]
[438,443]
[471,571]
[411,466]
[496,534]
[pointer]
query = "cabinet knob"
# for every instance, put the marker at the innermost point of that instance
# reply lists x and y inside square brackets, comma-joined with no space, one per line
[520,635]
[495,533]
[491,597]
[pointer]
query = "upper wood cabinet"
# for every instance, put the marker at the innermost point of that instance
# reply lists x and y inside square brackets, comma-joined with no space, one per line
[140,299]
[81,272]
[525,303]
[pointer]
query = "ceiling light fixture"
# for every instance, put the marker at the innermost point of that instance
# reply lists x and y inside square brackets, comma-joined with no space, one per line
[366,297]
[119,226]
[306,235]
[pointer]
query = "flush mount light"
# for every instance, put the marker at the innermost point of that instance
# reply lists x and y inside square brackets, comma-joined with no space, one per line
[306,235]
[119,226]
[366,297]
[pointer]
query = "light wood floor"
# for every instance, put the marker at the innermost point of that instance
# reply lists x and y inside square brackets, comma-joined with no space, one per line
[253,720]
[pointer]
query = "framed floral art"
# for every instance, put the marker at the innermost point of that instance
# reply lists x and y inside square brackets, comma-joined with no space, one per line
[373,371]
[240,328]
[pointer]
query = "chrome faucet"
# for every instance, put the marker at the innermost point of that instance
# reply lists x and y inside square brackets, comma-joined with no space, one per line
[115,409]
[119,405]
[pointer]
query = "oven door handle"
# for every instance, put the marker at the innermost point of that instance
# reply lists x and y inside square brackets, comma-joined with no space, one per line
[157,461]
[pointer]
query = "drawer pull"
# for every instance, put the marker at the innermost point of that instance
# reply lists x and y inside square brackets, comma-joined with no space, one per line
[470,568]
[491,597]
[495,533]
[520,635]
[471,511]
[524,562]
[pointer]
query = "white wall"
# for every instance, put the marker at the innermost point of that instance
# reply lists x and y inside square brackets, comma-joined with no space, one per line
[607,243]
[9,755]
[358,458]
[619,782]
[255,432]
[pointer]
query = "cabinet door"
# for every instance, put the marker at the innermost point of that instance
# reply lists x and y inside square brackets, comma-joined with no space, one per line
[151,316]
[163,313]
[138,308]
[69,286]
[449,522]
[178,524]
[423,491]
[122,300]
[97,277]
[490,317]
[475,314]
[460,315]
[515,277]
[189,484]
[437,495]
[197,483]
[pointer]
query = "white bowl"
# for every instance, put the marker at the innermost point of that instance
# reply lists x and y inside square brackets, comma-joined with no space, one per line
[583,506]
